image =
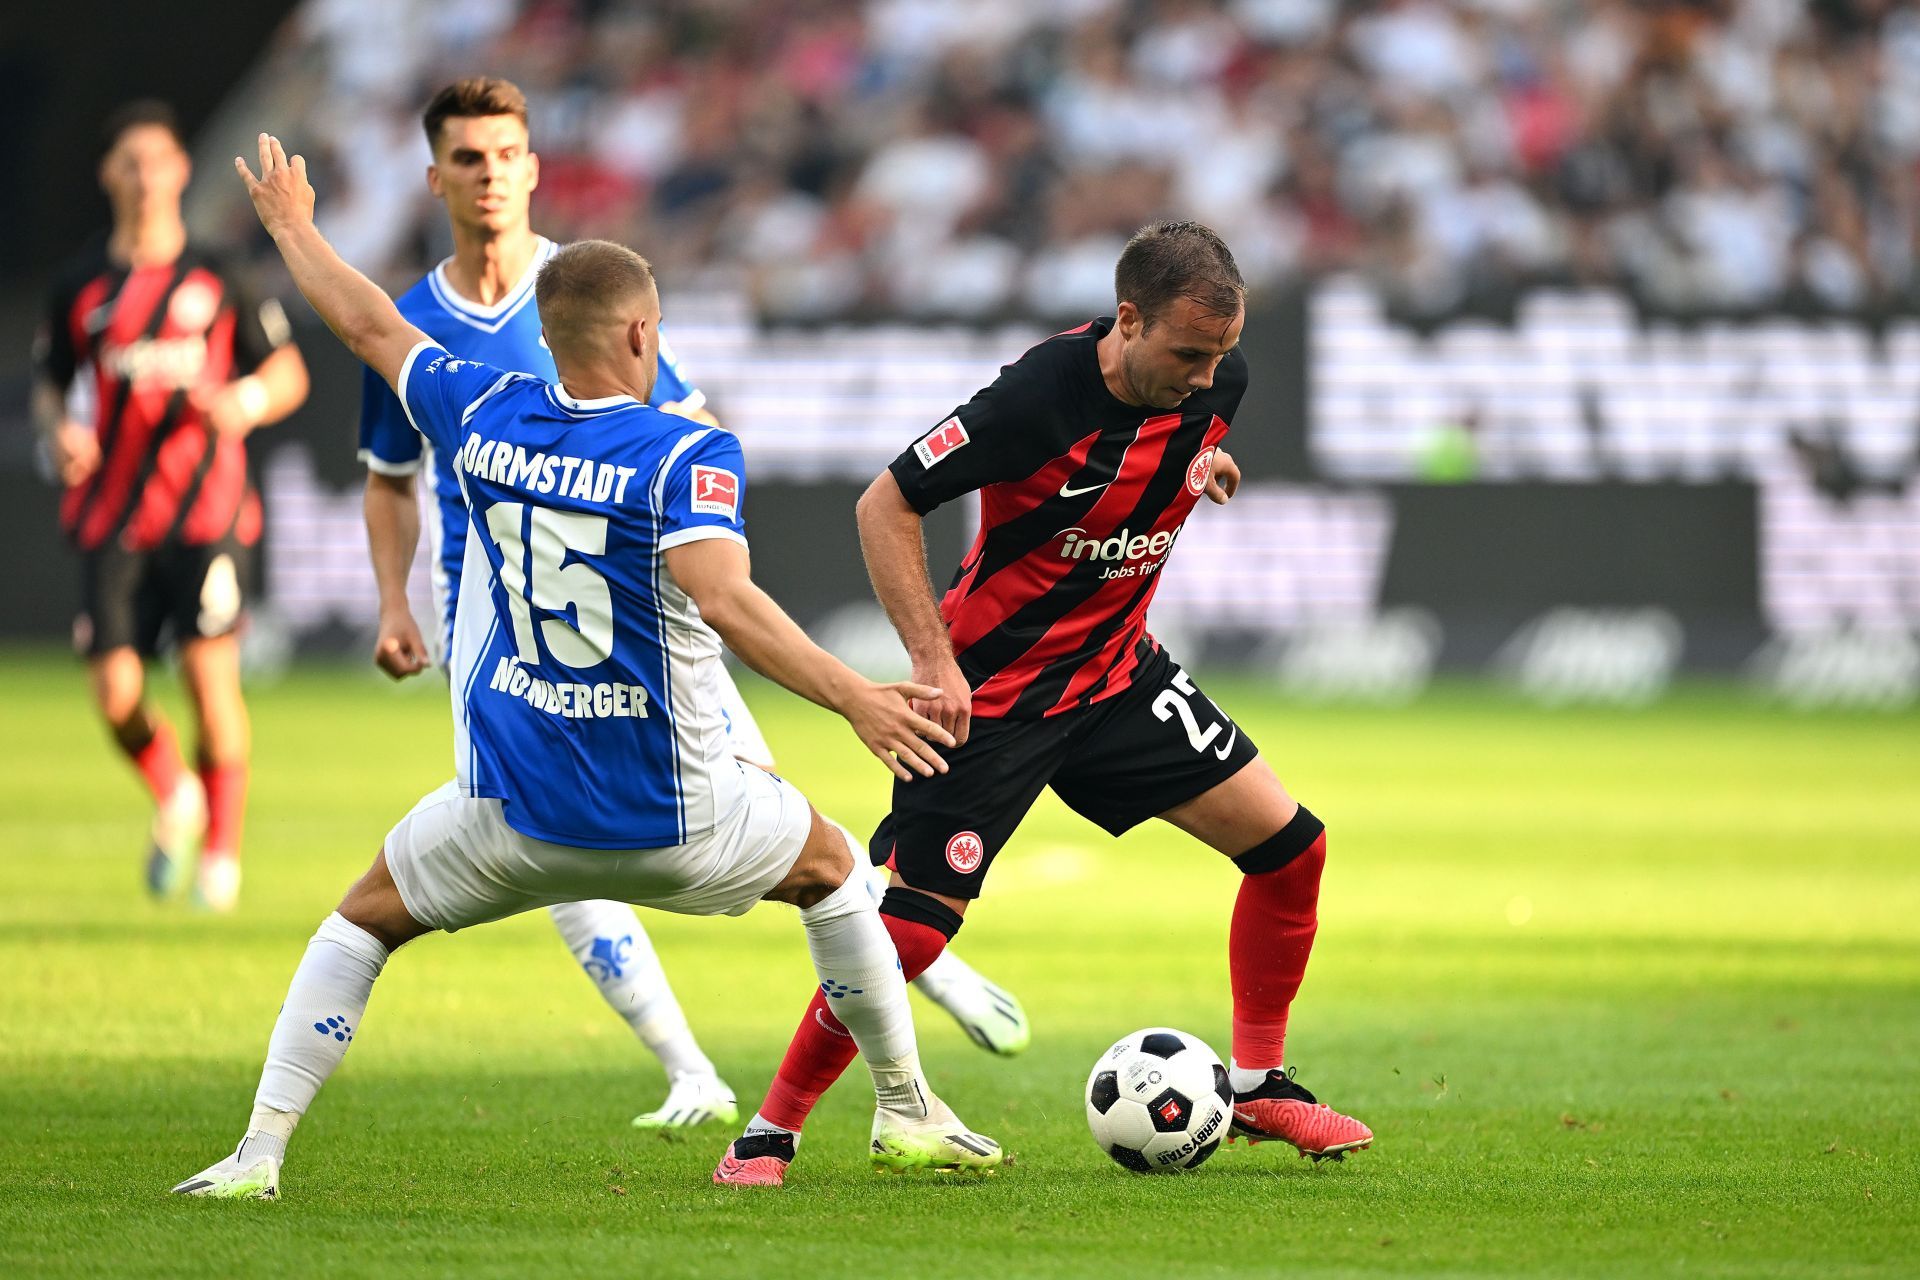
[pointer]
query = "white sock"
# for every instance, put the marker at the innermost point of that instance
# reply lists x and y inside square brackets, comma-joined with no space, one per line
[317,1022]
[760,1124]
[267,1134]
[860,974]
[1245,1078]
[608,942]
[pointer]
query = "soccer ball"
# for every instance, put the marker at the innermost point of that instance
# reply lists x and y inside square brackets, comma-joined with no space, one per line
[1159,1100]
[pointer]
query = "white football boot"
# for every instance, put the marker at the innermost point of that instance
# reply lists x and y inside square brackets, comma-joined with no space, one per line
[216,886]
[697,1099]
[179,824]
[937,1143]
[991,1017]
[252,1172]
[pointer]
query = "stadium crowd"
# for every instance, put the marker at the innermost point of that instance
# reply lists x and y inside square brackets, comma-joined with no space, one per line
[962,159]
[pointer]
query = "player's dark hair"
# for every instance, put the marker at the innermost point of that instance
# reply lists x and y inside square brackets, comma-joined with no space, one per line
[136,114]
[1168,260]
[584,285]
[471,97]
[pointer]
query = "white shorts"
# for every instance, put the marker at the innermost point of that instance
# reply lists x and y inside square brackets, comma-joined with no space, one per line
[457,862]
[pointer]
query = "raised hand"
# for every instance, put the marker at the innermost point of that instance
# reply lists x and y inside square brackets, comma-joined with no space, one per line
[282,196]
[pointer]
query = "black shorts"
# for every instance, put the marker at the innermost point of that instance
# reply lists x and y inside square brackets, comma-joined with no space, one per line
[138,598]
[1116,763]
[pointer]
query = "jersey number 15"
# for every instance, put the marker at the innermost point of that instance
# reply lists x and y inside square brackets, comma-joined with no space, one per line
[536,574]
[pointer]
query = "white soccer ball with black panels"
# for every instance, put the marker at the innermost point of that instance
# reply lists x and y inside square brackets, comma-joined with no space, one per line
[1158,1101]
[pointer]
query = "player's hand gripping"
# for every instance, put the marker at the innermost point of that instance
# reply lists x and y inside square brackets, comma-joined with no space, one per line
[400,651]
[282,196]
[1225,479]
[952,706]
[901,738]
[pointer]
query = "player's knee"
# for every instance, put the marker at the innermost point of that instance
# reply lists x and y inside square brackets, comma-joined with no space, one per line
[121,696]
[1285,846]
[374,904]
[823,866]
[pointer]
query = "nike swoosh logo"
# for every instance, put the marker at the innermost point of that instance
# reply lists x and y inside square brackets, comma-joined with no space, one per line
[1232,738]
[1066,492]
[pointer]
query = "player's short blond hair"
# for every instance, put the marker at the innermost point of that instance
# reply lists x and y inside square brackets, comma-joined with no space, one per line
[588,286]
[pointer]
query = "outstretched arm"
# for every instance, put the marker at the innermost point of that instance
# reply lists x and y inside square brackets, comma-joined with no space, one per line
[714,572]
[357,310]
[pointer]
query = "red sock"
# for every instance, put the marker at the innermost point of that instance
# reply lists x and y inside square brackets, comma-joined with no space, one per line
[822,1048]
[1274,920]
[226,786]
[159,762]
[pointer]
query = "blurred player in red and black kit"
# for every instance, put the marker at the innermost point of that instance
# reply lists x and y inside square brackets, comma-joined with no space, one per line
[1089,453]
[152,367]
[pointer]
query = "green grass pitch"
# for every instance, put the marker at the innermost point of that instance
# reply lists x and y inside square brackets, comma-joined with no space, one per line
[1621,993]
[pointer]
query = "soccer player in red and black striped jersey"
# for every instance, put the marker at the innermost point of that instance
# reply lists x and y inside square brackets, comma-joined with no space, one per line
[152,367]
[1088,453]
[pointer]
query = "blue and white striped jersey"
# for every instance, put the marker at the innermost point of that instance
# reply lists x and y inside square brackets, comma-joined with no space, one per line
[586,689]
[505,334]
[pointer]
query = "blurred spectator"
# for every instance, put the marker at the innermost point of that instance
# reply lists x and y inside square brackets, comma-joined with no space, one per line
[953,158]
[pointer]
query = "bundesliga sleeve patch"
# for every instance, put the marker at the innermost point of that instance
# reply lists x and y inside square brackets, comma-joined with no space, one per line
[716,492]
[940,442]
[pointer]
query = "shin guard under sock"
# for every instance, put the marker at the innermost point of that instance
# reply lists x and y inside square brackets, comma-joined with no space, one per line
[1275,917]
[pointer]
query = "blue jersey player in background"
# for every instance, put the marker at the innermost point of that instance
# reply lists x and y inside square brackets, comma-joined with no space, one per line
[606,562]
[479,304]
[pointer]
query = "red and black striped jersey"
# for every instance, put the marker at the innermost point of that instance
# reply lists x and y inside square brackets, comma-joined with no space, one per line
[140,342]
[1081,499]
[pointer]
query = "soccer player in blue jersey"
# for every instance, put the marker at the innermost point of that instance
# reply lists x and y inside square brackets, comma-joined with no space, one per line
[605,565]
[479,305]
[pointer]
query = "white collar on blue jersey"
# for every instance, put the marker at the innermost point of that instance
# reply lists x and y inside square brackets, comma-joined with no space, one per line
[491,315]
[559,393]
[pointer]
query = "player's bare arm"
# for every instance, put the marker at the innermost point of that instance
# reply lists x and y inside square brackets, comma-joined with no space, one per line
[73,446]
[358,311]
[715,573]
[393,535]
[893,540]
[260,399]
